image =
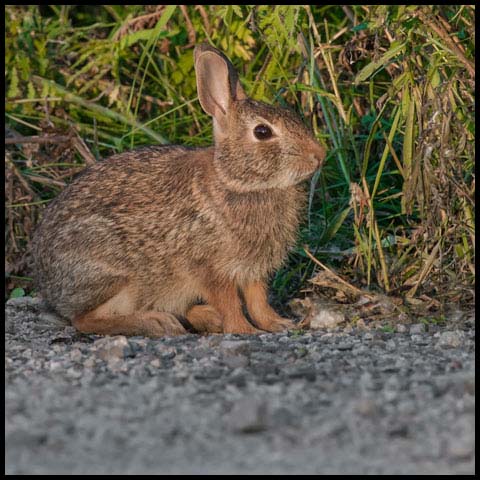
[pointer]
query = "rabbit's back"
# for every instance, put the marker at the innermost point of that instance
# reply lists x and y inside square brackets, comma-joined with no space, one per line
[132,198]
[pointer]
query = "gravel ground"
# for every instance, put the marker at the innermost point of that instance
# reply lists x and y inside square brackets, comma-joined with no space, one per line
[357,402]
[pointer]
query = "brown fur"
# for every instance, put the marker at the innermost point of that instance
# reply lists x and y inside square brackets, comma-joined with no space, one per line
[146,235]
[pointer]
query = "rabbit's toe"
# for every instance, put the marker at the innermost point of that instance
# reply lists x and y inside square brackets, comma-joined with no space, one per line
[278,324]
[161,324]
[150,324]
[243,328]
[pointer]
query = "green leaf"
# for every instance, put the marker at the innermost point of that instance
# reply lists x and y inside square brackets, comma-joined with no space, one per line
[238,10]
[371,68]
[334,225]
[13,90]
[31,90]
[17,293]
[362,26]
[149,34]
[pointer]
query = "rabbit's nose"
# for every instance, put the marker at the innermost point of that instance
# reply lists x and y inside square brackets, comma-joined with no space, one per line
[318,152]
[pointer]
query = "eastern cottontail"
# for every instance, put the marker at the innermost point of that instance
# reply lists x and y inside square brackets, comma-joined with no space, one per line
[138,241]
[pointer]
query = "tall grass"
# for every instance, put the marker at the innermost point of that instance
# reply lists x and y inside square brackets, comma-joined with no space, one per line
[389,90]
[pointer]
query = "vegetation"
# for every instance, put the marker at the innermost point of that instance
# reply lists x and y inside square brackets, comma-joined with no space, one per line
[389,90]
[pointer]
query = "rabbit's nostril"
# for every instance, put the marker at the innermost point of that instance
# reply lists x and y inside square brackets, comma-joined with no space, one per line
[319,153]
[316,153]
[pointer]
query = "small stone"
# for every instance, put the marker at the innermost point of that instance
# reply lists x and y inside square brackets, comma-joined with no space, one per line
[348,328]
[69,331]
[248,415]
[450,339]
[238,378]
[73,373]
[366,381]
[361,325]
[308,373]
[400,328]
[208,374]
[168,353]
[235,353]
[213,341]
[390,345]
[401,362]
[366,407]
[156,363]
[9,325]
[25,302]
[461,450]
[399,428]
[327,337]
[51,319]
[231,347]
[76,355]
[418,339]
[236,361]
[328,319]
[417,328]
[89,362]
[55,365]
[110,348]
[461,445]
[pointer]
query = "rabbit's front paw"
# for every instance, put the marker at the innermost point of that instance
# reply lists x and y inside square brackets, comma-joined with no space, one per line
[160,324]
[244,328]
[276,324]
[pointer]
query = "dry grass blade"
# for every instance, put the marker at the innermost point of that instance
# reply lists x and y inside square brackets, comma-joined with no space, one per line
[344,285]
[83,150]
[38,139]
[425,270]
[455,47]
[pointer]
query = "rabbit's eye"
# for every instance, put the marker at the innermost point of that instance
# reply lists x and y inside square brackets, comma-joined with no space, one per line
[262,132]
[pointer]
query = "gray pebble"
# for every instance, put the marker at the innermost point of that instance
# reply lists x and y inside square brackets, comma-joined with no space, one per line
[230,347]
[419,339]
[236,361]
[401,328]
[417,328]
[450,339]
[248,415]
[110,348]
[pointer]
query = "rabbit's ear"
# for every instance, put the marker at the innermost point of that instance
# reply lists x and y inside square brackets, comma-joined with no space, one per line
[217,82]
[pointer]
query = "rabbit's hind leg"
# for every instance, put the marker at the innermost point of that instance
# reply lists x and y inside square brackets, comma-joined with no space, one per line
[117,317]
[149,324]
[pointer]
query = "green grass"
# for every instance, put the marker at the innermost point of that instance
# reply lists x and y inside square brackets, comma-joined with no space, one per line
[389,91]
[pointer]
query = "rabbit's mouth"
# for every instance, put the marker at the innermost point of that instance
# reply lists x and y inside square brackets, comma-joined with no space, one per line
[308,163]
[315,154]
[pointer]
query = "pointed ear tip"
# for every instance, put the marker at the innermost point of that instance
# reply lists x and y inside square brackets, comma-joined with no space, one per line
[203,47]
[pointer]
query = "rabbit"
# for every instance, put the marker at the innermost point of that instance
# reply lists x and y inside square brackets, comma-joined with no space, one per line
[165,240]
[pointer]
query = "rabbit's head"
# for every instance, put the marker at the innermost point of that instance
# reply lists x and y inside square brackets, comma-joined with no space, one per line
[257,146]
